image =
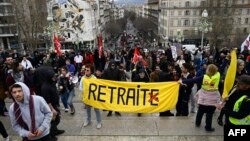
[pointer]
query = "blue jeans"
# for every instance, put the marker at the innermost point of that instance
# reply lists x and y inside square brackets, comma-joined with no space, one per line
[97,113]
[197,63]
[71,95]
[64,99]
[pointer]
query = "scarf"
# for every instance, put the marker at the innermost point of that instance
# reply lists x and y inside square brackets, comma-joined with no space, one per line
[19,119]
[18,77]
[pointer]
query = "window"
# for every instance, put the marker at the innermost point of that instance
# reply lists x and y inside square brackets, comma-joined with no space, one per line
[215,3]
[179,22]
[170,4]
[185,32]
[187,4]
[186,23]
[171,32]
[172,13]
[171,23]
[240,11]
[166,12]
[239,20]
[248,11]
[232,21]
[242,1]
[194,22]
[203,3]
[187,13]
[246,20]
[194,13]
[245,30]
[195,3]
[179,13]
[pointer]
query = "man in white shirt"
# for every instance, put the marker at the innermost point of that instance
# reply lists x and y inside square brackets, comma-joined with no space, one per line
[78,59]
[26,63]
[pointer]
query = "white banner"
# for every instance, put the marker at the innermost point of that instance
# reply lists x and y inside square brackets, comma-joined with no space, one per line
[246,44]
[174,52]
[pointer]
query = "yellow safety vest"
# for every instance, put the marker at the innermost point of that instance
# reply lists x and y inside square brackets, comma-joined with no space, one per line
[237,105]
[211,83]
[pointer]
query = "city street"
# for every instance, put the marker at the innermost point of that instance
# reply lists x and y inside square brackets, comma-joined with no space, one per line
[129,127]
[174,53]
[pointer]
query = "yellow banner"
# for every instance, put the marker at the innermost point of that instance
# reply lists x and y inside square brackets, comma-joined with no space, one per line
[130,96]
[230,76]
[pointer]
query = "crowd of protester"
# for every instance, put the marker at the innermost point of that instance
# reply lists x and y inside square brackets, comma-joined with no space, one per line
[50,76]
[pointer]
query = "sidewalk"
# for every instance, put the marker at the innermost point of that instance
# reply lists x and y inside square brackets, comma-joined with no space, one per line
[129,127]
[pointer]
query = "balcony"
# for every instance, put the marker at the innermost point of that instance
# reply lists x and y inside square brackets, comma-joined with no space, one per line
[7,34]
[6,25]
[5,2]
[6,13]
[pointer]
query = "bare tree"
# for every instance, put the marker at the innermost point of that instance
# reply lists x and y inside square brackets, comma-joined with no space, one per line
[220,14]
[146,27]
[30,19]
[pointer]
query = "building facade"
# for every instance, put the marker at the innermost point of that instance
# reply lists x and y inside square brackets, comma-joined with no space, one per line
[8,28]
[181,17]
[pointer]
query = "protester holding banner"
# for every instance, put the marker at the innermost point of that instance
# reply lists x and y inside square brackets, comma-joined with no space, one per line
[89,70]
[165,76]
[184,92]
[112,73]
[141,77]
[208,96]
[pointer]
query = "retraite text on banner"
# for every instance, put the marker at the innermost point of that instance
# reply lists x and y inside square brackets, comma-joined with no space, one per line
[130,96]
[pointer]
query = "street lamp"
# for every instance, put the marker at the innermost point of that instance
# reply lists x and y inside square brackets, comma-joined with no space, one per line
[154,43]
[94,7]
[204,26]
[49,31]
[165,39]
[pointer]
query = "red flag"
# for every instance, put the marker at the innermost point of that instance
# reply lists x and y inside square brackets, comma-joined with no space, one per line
[136,56]
[100,46]
[57,45]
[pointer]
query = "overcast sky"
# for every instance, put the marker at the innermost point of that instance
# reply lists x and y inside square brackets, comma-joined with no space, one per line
[130,1]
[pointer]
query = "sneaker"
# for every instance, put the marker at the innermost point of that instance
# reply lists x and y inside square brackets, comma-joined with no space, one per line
[109,114]
[54,138]
[210,129]
[59,132]
[98,126]
[193,111]
[72,111]
[118,114]
[86,123]
[66,110]
[6,139]
[220,122]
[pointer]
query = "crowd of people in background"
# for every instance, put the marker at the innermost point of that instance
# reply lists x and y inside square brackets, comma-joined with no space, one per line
[50,76]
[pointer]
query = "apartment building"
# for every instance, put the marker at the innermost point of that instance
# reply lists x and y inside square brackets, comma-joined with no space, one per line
[175,17]
[8,28]
[152,13]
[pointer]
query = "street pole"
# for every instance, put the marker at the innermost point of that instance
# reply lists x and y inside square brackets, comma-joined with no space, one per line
[202,39]
[50,21]
[204,26]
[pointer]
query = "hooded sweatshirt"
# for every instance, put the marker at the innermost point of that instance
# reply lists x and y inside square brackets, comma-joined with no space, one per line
[43,114]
